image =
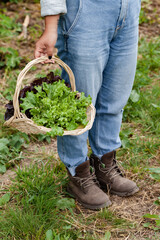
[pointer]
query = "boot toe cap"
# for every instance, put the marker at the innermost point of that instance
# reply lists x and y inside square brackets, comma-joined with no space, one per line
[125,187]
[99,198]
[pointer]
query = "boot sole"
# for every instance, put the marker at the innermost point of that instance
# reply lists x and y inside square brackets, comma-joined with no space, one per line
[121,194]
[92,207]
[125,194]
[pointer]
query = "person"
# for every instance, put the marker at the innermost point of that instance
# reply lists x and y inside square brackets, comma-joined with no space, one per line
[98,40]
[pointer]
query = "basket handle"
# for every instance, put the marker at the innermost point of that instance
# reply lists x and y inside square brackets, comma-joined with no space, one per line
[22,74]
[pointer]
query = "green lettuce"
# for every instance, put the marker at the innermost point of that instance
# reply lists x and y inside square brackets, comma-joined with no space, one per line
[55,106]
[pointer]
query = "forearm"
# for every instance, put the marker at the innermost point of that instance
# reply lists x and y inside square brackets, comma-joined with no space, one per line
[51,23]
[51,10]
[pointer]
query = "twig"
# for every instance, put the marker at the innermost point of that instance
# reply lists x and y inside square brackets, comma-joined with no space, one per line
[25,25]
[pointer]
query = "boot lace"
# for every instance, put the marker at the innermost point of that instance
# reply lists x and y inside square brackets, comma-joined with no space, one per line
[115,169]
[87,181]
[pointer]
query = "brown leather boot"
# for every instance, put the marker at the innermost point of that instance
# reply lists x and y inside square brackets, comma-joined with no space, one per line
[110,177]
[83,186]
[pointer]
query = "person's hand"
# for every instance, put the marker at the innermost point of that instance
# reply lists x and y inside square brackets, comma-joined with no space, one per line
[45,44]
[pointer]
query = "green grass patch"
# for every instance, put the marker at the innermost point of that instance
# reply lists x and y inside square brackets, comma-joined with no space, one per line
[142,105]
[39,203]
[37,206]
[141,127]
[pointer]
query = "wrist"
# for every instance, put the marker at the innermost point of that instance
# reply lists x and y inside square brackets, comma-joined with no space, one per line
[52,30]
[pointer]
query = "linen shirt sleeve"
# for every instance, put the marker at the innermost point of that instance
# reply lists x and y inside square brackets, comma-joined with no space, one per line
[53,7]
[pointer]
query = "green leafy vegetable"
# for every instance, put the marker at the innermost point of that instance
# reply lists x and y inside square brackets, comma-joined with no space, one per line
[56,107]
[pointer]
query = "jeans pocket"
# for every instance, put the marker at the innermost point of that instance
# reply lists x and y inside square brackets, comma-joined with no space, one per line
[70,19]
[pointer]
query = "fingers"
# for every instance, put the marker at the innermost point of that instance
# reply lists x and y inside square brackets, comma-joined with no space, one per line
[48,61]
[39,52]
[45,46]
[50,51]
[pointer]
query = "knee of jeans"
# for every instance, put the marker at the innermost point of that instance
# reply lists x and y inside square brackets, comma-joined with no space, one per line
[116,111]
[111,109]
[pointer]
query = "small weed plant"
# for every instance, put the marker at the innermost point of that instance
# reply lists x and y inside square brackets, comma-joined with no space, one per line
[8,26]
[9,58]
[11,150]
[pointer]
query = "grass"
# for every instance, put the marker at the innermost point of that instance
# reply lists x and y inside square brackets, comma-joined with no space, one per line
[36,205]
[141,126]
[39,202]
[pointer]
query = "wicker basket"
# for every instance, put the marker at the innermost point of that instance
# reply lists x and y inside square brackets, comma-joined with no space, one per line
[24,124]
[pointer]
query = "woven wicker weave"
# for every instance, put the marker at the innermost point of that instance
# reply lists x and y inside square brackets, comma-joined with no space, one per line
[24,124]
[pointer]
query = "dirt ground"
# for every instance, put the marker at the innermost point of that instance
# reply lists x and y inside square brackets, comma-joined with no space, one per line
[152,28]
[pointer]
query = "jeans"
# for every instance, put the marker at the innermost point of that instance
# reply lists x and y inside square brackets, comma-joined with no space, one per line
[98,39]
